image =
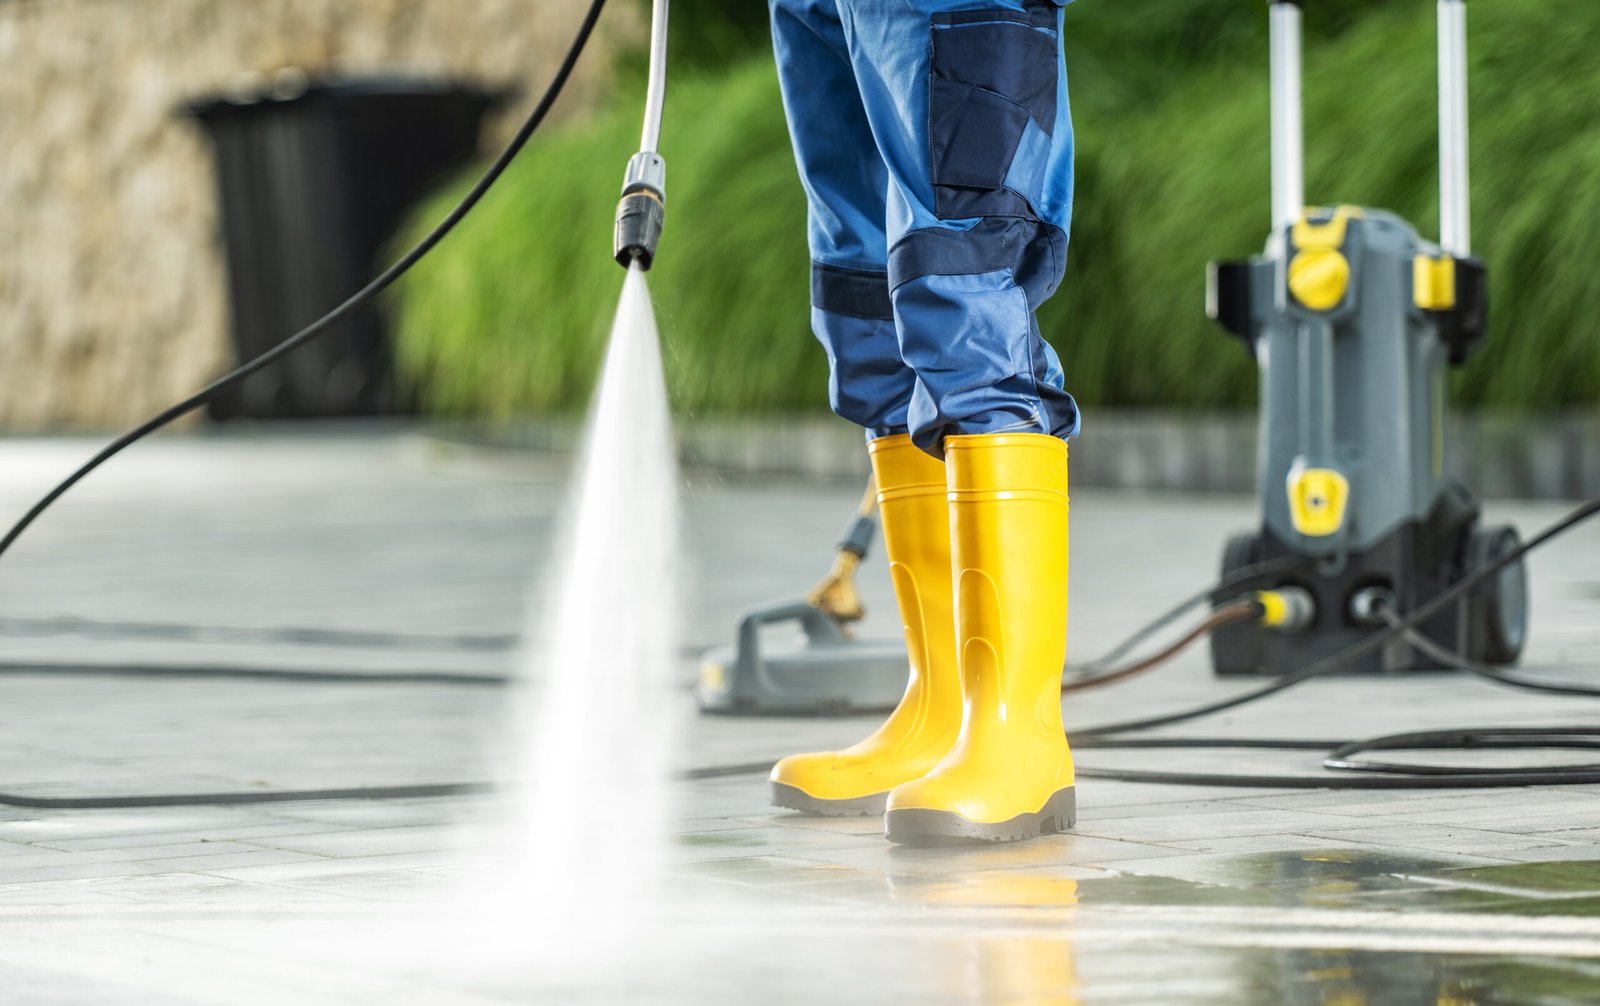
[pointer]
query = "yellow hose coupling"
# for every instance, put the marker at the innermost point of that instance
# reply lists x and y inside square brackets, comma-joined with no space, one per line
[836,594]
[1287,609]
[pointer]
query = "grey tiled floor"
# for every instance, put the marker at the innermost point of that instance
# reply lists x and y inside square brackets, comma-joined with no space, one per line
[1164,894]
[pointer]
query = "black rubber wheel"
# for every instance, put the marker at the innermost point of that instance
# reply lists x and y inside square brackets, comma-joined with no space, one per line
[1497,612]
[1242,549]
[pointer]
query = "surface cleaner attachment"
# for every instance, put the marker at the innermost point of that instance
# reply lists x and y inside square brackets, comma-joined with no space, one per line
[1354,321]
[822,669]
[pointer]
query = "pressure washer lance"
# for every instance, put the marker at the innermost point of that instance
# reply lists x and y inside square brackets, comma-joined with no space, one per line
[643,208]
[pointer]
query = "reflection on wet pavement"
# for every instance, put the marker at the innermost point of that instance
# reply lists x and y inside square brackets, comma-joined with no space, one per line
[987,890]
[1309,927]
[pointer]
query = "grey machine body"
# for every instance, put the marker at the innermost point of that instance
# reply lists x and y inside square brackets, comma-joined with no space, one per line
[1354,320]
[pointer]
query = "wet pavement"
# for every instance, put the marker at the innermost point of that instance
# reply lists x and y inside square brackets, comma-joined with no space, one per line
[1163,894]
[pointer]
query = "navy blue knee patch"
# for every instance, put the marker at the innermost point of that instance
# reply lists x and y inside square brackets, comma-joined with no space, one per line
[1033,251]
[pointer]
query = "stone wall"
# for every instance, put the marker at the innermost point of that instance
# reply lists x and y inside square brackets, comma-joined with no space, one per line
[112,292]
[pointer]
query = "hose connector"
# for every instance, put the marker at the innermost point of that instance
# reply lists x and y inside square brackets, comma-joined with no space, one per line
[1370,605]
[836,594]
[642,210]
[1287,609]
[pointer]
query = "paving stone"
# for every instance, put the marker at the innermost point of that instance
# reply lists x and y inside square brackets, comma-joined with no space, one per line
[201,833]
[125,854]
[1433,837]
[299,870]
[1160,829]
[29,876]
[1254,870]
[257,857]
[370,841]
[1554,818]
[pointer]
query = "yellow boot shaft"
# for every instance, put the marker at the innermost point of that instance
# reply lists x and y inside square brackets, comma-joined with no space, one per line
[922,728]
[1009,521]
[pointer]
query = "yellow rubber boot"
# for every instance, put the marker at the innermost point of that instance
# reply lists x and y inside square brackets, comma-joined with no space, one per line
[922,728]
[1009,775]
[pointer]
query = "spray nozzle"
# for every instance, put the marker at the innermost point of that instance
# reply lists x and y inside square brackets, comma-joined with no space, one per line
[642,210]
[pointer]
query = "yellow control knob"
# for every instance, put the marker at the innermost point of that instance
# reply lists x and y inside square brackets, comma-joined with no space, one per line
[1319,277]
[1317,500]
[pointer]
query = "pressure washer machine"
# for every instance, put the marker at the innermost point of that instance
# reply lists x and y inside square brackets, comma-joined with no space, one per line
[1354,321]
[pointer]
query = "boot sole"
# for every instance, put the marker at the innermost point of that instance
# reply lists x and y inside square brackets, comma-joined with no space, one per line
[915,826]
[791,798]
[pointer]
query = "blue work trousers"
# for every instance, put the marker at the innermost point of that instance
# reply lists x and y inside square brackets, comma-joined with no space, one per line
[934,141]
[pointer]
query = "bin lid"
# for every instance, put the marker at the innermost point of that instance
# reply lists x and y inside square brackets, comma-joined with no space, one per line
[292,86]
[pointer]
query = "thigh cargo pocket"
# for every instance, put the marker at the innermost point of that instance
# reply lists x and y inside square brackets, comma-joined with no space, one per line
[991,108]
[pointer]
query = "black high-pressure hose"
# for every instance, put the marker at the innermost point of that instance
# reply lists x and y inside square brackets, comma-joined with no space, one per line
[1216,592]
[1237,611]
[284,635]
[1500,677]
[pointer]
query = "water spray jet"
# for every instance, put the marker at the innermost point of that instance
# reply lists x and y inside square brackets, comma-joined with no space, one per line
[601,737]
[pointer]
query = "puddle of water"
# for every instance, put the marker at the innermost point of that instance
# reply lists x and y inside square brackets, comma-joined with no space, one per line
[1531,879]
[1587,906]
[1007,936]
[1376,979]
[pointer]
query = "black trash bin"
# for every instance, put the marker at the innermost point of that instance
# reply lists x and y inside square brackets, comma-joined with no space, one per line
[313,179]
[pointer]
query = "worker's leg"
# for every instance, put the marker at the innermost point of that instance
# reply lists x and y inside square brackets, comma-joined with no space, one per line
[846,183]
[968,108]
